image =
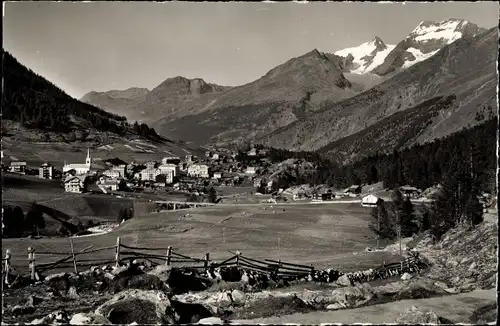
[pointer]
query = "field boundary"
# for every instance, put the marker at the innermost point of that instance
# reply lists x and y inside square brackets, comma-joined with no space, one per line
[121,253]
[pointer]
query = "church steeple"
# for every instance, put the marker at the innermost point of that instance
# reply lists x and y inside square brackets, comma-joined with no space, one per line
[89,160]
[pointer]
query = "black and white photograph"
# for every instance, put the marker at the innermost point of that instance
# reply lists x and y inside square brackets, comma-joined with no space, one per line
[243,163]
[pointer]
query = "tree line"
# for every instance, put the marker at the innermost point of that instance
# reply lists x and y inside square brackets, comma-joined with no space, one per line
[472,150]
[17,224]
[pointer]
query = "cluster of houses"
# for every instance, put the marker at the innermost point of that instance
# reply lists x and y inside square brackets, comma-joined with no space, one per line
[215,168]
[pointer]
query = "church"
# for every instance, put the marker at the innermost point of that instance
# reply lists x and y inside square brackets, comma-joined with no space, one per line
[80,169]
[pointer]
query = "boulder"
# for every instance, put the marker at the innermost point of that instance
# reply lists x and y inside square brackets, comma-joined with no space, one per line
[120,270]
[189,313]
[351,297]
[344,281]
[72,293]
[239,297]
[140,282]
[88,319]
[58,317]
[224,299]
[419,288]
[415,316]
[55,277]
[162,272]
[406,276]
[143,307]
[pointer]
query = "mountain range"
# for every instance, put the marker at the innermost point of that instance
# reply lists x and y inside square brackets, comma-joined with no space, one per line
[316,99]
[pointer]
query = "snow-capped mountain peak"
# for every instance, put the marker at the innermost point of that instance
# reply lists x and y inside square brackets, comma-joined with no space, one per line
[425,41]
[366,56]
[448,31]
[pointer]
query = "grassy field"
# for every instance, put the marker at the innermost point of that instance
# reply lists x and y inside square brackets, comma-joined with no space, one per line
[326,236]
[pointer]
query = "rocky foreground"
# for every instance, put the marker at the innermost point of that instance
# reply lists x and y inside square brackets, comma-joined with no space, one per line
[463,267]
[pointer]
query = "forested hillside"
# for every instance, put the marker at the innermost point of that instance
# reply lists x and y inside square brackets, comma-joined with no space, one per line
[35,102]
[471,151]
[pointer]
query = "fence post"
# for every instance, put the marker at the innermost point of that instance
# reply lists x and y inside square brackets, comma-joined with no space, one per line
[31,262]
[207,259]
[7,266]
[73,254]
[117,255]
[238,254]
[169,255]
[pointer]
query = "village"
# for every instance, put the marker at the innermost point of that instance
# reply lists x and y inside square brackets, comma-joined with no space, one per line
[189,175]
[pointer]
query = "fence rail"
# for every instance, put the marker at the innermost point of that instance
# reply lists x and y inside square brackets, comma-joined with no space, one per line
[74,260]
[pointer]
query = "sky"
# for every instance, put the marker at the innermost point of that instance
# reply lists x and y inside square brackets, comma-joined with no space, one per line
[103,46]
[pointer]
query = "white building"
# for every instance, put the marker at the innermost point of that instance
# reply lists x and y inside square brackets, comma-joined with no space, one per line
[251,170]
[215,156]
[18,167]
[149,174]
[112,174]
[75,184]
[370,201]
[121,169]
[167,168]
[80,169]
[46,171]
[198,170]
[217,175]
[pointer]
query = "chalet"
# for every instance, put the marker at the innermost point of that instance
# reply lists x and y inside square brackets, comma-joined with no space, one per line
[171,160]
[18,167]
[75,184]
[215,156]
[217,175]
[409,191]
[46,171]
[198,170]
[370,201]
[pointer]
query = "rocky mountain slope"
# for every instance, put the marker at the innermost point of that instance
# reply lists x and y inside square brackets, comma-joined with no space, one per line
[425,41]
[465,69]
[286,93]
[365,57]
[119,102]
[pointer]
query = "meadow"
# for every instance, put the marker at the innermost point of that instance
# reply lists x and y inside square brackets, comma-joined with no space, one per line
[327,236]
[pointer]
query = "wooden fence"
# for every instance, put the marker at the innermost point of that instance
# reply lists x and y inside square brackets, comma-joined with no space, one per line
[122,253]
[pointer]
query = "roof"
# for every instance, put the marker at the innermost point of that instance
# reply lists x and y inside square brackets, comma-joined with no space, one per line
[76,166]
[115,161]
[71,177]
[408,188]
[17,163]
[370,199]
